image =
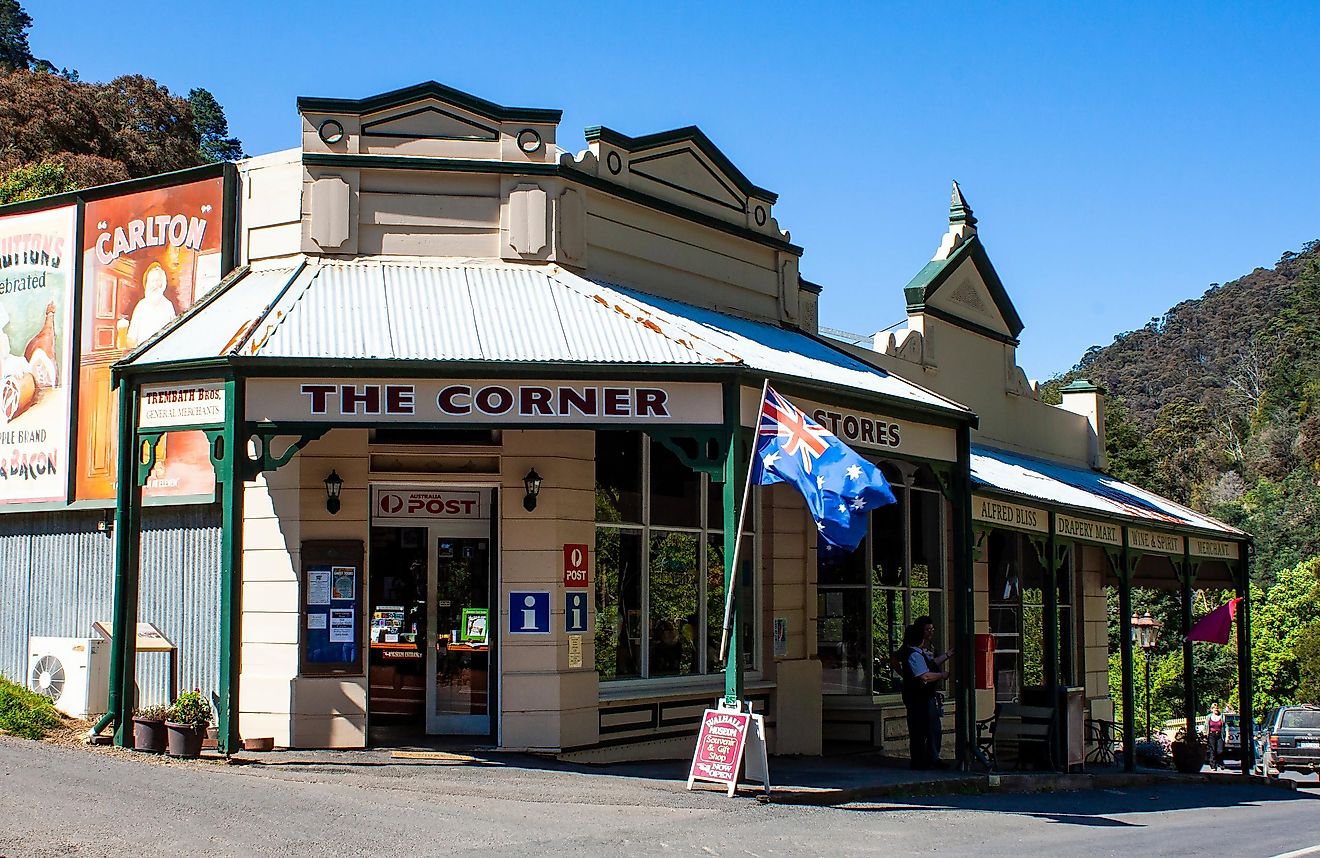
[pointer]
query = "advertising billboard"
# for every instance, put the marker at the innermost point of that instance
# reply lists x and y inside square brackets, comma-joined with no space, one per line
[147,258]
[36,315]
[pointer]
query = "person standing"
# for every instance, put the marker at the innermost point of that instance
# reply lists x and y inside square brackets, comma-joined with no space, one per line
[919,698]
[934,663]
[1215,731]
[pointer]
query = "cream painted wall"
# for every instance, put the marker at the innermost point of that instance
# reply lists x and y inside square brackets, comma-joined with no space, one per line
[789,576]
[544,703]
[270,194]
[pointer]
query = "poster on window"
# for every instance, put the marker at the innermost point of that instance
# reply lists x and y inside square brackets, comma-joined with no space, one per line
[36,315]
[147,258]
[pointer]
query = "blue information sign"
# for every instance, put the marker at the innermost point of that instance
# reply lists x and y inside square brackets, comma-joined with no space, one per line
[575,611]
[529,612]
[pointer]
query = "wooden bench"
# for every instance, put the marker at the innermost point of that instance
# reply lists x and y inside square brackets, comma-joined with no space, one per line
[1022,735]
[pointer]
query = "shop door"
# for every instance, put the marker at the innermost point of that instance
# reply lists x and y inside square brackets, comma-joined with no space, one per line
[460,664]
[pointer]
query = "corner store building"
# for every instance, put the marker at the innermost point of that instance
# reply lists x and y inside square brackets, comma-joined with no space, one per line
[435,299]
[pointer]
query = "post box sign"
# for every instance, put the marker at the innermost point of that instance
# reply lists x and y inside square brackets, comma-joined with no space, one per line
[414,504]
[195,404]
[575,567]
[465,401]
[1012,515]
[1150,540]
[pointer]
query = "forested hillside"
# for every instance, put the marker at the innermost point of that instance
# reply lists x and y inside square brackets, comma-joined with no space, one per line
[1217,404]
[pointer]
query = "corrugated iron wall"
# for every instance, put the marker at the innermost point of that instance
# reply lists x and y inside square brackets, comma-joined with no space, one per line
[57,578]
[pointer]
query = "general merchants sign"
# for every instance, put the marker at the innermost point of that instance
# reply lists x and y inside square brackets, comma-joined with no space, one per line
[194,404]
[365,401]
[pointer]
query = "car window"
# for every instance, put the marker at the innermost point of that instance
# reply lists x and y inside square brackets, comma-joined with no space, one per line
[1301,719]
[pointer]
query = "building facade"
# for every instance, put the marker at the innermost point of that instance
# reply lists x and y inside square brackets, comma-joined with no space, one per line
[446,430]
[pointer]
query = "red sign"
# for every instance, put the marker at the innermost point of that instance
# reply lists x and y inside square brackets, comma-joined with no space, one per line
[719,747]
[575,566]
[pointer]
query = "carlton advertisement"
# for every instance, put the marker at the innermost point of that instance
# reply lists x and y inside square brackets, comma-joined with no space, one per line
[36,315]
[147,258]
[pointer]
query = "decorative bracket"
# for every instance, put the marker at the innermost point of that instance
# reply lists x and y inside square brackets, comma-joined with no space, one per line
[702,451]
[147,442]
[978,541]
[266,459]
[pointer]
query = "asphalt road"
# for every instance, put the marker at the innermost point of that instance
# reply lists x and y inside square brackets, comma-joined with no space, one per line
[71,801]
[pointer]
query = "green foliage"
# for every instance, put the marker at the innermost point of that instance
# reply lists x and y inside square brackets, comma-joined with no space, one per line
[1284,624]
[152,713]
[213,128]
[25,713]
[30,181]
[191,707]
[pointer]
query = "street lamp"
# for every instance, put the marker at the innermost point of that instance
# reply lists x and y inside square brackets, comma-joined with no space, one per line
[1145,632]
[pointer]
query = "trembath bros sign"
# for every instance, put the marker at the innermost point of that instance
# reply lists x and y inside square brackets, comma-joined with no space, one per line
[193,404]
[364,401]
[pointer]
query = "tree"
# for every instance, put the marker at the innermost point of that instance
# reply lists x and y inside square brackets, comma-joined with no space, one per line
[14,24]
[35,180]
[213,128]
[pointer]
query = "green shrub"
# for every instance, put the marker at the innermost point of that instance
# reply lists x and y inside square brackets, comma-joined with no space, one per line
[24,713]
[191,707]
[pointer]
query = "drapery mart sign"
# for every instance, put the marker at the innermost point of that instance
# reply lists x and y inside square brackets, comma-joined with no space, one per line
[196,403]
[348,401]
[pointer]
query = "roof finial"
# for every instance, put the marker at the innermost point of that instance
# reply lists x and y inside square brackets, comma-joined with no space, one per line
[959,211]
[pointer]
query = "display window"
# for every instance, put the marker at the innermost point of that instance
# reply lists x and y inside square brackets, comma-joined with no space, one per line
[867,597]
[660,564]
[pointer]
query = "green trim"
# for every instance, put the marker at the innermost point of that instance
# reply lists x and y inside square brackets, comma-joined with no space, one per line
[735,476]
[936,272]
[568,173]
[1081,385]
[230,475]
[129,186]
[686,134]
[429,89]
[807,286]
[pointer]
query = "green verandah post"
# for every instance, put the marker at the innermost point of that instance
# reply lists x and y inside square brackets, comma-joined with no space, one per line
[733,469]
[128,520]
[230,466]
[1126,567]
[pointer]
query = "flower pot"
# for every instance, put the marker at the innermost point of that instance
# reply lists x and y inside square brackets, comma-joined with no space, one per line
[185,740]
[1188,757]
[148,735]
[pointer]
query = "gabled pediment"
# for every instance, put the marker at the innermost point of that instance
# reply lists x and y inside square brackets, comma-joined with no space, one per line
[424,92]
[429,122]
[683,160]
[965,288]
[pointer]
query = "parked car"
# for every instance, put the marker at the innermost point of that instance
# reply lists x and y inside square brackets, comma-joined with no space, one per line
[1289,741]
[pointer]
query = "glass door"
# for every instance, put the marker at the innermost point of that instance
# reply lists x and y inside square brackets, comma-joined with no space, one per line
[461,625]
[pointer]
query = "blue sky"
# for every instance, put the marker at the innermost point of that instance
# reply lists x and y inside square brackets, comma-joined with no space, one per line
[1120,157]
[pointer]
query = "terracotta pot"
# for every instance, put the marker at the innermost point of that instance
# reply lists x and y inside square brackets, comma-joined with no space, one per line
[185,740]
[148,735]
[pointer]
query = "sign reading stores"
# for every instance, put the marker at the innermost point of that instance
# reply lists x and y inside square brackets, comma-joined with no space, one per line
[195,404]
[1009,515]
[443,401]
[867,431]
[427,503]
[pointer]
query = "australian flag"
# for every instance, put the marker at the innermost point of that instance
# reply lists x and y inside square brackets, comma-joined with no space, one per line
[840,486]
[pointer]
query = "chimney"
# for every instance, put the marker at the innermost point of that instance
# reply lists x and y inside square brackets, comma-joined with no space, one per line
[1084,398]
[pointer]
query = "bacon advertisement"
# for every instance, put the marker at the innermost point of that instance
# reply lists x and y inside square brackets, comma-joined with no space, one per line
[147,258]
[36,315]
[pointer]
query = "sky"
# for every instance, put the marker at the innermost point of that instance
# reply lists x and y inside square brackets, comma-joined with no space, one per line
[1120,157]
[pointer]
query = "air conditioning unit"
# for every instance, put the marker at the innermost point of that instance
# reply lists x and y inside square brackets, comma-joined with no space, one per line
[74,673]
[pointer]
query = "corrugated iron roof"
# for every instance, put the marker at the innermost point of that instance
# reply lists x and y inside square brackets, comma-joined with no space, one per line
[456,311]
[1083,490]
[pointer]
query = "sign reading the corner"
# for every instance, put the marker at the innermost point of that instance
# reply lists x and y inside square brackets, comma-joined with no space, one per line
[1090,531]
[349,401]
[865,431]
[193,404]
[1216,548]
[1007,514]
[1149,540]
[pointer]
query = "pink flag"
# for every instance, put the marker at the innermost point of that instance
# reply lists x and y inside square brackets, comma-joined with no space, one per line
[1215,626]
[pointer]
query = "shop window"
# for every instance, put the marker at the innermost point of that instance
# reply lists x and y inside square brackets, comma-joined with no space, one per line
[867,597]
[660,564]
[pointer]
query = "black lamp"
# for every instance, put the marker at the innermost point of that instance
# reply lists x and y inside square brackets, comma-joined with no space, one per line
[532,482]
[333,484]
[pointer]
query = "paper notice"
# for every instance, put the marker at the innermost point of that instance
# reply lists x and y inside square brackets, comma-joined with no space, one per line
[316,621]
[318,588]
[341,586]
[341,625]
[574,651]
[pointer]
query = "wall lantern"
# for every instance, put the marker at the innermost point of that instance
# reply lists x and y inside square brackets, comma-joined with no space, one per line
[532,482]
[333,484]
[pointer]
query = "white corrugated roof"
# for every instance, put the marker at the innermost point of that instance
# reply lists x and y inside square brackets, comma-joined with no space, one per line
[451,310]
[1083,490]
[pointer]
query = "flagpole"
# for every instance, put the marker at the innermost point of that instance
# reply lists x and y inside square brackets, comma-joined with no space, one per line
[742,518]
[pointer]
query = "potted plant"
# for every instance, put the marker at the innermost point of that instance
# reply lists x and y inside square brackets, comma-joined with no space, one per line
[189,717]
[1188,751]
[149,728]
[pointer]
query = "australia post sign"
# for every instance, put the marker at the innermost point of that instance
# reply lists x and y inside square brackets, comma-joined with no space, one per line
[407,503]
[367,401]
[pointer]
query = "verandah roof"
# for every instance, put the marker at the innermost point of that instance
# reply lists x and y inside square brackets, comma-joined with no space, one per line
[453,310]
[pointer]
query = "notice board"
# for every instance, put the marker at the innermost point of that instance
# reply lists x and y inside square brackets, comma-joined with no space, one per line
[331,627]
